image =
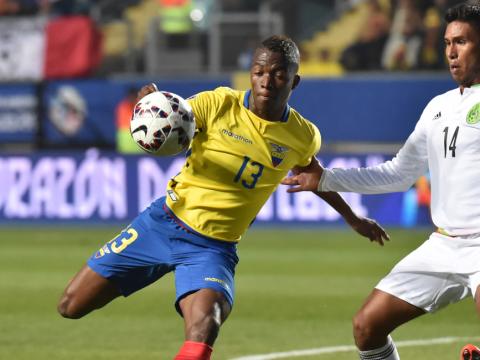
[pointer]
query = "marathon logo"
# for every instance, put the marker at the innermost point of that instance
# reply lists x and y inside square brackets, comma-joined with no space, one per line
[236,136]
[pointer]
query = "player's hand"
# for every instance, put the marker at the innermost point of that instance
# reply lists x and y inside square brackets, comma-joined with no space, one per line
[369,229]
[145,90]
[304,179]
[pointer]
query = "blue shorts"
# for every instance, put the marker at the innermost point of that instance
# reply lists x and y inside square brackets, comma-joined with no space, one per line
[157,242]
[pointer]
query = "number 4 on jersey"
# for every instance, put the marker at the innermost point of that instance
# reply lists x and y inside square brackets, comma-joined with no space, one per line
[453,141]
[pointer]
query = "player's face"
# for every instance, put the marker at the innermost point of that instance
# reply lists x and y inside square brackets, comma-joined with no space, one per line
[272,82]
[462,48]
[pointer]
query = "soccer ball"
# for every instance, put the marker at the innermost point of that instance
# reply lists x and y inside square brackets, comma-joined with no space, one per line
[162,123]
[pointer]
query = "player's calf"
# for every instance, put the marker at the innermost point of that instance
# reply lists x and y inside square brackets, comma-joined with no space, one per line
[204,312]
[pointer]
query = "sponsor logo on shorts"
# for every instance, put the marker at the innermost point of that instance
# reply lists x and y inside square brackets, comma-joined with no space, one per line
[221,282]
[104,250]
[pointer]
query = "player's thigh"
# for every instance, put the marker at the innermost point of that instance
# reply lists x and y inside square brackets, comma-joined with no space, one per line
[383,312]
[87,291]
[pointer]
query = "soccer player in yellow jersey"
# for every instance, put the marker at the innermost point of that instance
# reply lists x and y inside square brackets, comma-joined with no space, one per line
[246,143]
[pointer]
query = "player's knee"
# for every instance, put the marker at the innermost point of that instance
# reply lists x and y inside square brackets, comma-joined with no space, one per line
[66,307]
[363,330]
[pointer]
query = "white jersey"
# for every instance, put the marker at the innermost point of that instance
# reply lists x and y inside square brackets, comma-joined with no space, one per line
[445,142]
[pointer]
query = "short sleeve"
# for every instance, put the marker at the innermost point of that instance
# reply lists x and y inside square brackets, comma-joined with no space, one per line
[315,144]
[205,105]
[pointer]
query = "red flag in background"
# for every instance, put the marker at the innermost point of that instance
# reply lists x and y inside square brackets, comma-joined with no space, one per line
[73,47]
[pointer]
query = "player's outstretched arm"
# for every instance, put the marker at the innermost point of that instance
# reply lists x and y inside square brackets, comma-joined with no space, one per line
[362,225]
[307,179]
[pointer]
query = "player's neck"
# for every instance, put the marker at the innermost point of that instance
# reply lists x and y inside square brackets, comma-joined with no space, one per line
[475,83]
[279,113]
[267,115]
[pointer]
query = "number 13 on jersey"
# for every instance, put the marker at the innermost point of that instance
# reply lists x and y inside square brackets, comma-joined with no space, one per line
[249,173]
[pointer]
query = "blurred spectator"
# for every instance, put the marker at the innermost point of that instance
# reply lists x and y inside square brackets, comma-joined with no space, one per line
[123,115]
[319,64]
[366,53]
[201,13]
[402,51]
[432,54]
[175,22]
[9,7]
[245,56]
[345,5]
[49,7]
[68,7]
[239,5]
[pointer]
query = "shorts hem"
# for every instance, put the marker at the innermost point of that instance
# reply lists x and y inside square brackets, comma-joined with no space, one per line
[101,271]
[185,294]
[390,292]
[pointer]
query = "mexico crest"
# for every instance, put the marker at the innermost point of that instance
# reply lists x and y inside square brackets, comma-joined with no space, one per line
[278,153]
[473,115]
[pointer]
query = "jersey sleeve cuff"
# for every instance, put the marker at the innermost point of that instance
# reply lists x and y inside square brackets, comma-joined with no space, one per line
[321,181]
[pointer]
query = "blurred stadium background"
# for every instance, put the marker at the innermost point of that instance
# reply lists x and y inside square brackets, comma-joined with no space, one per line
[71,176]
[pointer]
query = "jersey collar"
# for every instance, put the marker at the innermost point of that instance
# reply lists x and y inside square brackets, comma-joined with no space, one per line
[471,90]
[286,111]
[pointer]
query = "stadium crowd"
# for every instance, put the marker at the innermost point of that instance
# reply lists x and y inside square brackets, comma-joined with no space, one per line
[397,35]
[45,7]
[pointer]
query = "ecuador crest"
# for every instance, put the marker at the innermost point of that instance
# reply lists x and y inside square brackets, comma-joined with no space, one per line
[278,153]
[473,115]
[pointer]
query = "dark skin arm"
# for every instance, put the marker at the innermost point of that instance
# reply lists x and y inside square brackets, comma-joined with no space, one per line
[362,225]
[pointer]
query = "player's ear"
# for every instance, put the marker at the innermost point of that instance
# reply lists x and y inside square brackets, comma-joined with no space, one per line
[296,81]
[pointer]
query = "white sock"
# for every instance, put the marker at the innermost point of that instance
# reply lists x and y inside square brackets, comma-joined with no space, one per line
[387,352]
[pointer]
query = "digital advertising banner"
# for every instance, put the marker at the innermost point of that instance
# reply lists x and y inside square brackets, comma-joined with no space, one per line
[18,113]
[81,114]
[95,187]
[67,114]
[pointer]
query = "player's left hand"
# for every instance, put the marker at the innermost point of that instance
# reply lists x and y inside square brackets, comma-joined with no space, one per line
[145,90]
[369,229]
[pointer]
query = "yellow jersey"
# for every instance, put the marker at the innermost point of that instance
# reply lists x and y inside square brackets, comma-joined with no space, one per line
[235,162]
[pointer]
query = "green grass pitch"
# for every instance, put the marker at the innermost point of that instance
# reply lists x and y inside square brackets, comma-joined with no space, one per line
[296,289]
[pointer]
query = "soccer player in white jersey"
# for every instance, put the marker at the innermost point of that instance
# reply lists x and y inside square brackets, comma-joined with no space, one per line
[246,142]
[445,142]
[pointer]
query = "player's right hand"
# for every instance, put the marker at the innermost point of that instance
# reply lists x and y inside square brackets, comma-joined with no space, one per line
[304,178]
[145,90]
